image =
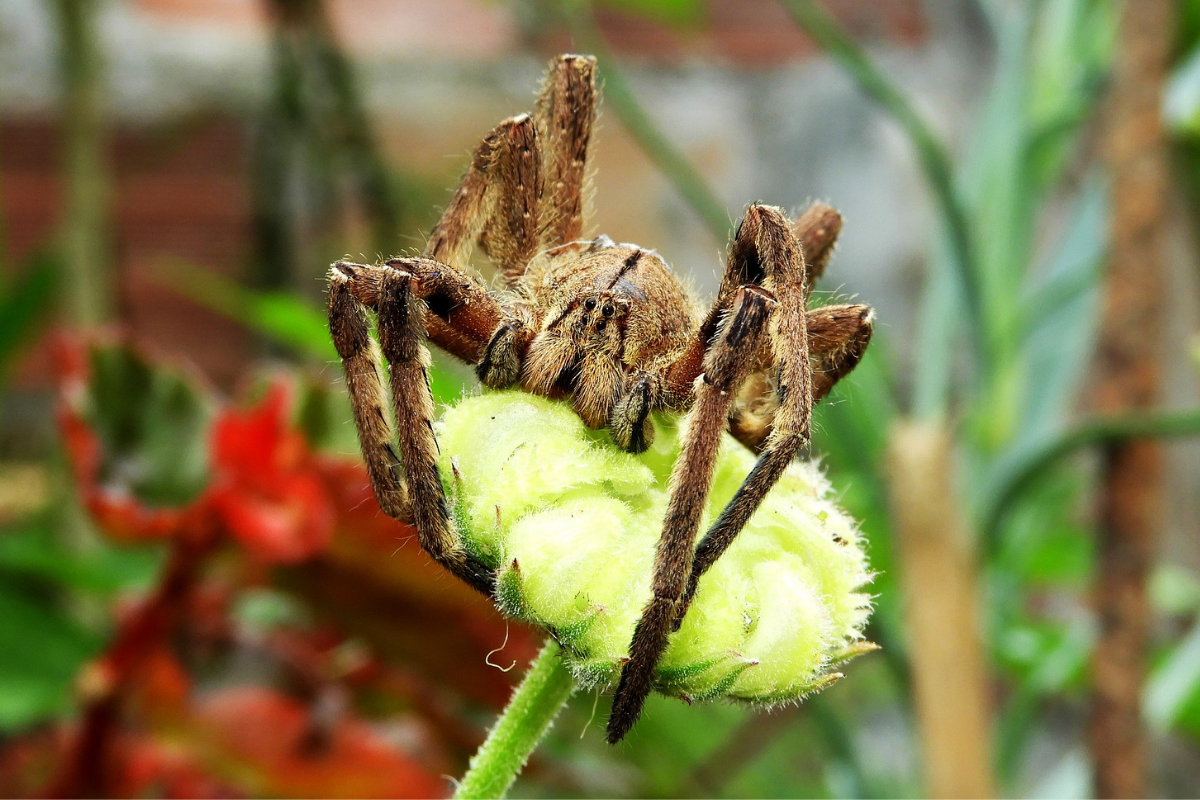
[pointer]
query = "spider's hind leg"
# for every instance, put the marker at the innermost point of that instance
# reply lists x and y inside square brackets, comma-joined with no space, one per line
[566,111]
[837,338]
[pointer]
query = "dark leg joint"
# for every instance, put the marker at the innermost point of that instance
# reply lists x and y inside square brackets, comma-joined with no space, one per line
[630,424]
[747,323]
[500,367]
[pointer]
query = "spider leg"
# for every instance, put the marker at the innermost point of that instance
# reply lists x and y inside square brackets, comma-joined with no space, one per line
[349,325]
[629,424]
[407,484]
[725,366]
[566,110]
[782,258]
[460,314]
[524,189]
[817,229]
[497,201]
[837,338]
[515,183]
[498,204]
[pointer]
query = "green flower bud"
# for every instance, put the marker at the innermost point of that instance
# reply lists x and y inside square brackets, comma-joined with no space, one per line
[570,523]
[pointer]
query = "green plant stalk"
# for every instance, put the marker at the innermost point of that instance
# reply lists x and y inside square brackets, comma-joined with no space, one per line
[1134,425]
[931,153]
[542,694]
[84,227]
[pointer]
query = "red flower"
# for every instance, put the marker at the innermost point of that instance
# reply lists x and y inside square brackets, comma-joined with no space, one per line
[265,485]
[262,483]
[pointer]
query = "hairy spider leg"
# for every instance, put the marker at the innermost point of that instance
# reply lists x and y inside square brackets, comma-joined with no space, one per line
[791,426]
[407,484]
[515,183]
[349,326]
[497,204]
[838,336]
[565,113]
[725,366]
[539,182]
[816,229]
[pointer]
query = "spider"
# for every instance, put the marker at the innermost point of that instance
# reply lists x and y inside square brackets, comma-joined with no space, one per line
[606,326]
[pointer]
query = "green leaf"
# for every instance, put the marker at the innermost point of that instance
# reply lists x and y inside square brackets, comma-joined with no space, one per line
[34,551]
[1053,658]
[25,306]
[1062,317]
[1175,683]
[672,12]
[1174,589]
[290,321]
[1181,106]
[43,649]
[153,426]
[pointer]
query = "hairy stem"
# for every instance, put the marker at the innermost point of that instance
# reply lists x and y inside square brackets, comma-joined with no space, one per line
[546,688]
[1129,377]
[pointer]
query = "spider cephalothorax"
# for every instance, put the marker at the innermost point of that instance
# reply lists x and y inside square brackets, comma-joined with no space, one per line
[608,327]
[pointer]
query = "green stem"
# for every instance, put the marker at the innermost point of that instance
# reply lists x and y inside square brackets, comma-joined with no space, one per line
[1134,425]
[931,152]
[84,227]
[619,97]
[546,688]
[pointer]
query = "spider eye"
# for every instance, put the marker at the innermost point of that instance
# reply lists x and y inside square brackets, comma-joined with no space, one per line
[601,325]
[589,304]
[608,310]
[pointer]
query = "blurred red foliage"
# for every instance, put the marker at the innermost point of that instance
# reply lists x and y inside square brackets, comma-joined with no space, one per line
[266,485]
[264,509]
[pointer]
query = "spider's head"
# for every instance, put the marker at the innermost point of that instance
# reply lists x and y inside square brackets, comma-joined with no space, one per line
[607,310]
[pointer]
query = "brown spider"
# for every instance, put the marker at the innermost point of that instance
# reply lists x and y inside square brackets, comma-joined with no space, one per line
[607,326]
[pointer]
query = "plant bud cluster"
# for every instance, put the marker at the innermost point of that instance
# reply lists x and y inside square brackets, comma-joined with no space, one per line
[570,523]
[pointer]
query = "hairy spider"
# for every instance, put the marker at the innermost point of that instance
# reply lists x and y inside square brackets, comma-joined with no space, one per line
[605,325]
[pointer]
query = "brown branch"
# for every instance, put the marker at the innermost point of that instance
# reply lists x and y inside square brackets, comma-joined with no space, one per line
[938,571]
[1128,379]
[106,682]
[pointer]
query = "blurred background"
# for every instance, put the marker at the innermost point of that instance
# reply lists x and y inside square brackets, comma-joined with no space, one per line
[198,595]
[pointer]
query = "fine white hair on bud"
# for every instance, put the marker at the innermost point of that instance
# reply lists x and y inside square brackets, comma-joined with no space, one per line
[570,524]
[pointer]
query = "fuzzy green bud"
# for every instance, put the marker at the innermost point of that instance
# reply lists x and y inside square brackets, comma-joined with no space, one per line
[570,523]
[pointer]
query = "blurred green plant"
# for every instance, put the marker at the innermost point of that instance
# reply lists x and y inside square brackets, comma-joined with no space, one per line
[1017,306]
[25,305]
[294,323]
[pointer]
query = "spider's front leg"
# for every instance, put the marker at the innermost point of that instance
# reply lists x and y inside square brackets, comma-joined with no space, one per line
[407,484]
[792,422]
[738,339]
[766,252]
